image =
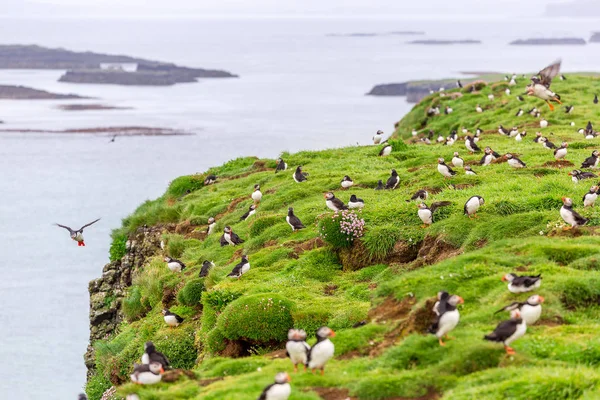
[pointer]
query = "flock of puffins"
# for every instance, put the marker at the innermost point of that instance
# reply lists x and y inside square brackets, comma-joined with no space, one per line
[153,363]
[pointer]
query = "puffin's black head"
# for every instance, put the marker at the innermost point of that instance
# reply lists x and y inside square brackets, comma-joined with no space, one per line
[206,263]
[567,201]
[535,300]
[468,168]
[244,258]
[256,187]
[347,178]
[456,154]
[595,153]
[508,156]
[422,206]
[279,160]
[282,378]
[442,295]
[594,189]
[296,334]
[211,220]
[324,333]
[149,347]
[290,210]
[227,229]
[353,198]
[440,160]
[299,168]
[394,173]
[380,132]
[168,259]
[575,173]
[82,397]
[329,195]
[165,312]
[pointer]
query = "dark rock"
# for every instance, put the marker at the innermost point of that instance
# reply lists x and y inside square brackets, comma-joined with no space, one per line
[26,93]
[548,41]
[148,78]
[595,37]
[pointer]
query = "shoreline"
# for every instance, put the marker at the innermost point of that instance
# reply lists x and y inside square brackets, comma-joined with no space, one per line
[107,131]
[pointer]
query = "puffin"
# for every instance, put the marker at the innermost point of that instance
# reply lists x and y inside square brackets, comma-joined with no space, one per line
[321,351]
[538,136]
[457,161]
[563,78]
[568,109]
[520,136]
[514,131]
[174,265]
[147,374]
[508,331]
[210,179]
[300,176]
[355,202]
[591,161]
[472,205]
[569,215]
[240,269]
[230,238]
[448,110]
[393,180]
[522,284]
[531,310]
[347,182]
[589,132]
[206,266]
[385,150]
[577,175]
[590,197]
[512,82]
[296,348]
[447,315]
[171,319]
[251,211]
[77,235]
[459,84]
[281,165]
[440,139]
[507,91]
[519,113]
[476,136]
[380,185]
[490,96]
[421,195]
[595,99]
[533,112]
[454,135]
[211,225]
[82,396]
[546,143]
[543,123]
[426,213]
[445,170]
[257,194]
[471,145]
[488,156]
[514,161]
[280,390]
[151,355]
[378,137]
[540,85]
[561,152]
[333,203]
[469,170]
[293,221]
[520,98]
[478,108]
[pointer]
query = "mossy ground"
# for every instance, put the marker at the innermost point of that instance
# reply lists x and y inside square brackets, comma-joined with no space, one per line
[295,280]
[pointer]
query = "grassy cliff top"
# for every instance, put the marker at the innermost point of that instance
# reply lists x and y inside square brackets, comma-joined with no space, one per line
[387,278]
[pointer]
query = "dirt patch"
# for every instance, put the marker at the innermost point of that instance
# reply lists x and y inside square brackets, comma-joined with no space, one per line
[190,231]
[554,321]
[308,245]
[174,375]
[232,206]
[332,393]
[414,169]
[281,353]
[329,289]
[521,268]
[392,309]
[434,249]
[432,190]
[258,166]
[208,381]
[481,243]
[558,164]
[270,243]
[357,256]
[169,295]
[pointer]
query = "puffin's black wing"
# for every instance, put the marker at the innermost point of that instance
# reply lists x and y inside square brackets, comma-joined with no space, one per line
[280,167]
[482,159]
[263,395]
[526,281]
[495,154]
[204,270]
[339,204]
[588,162]
[71,231]
[450,170]
[246,214]
[474,146]
[160,358]
[439,204]
[179,262]
[296,223]
[223,241]
[512,306]
[504,330]
[236,270]
[86,225]
[236,239]
[547,74]
[178,318]
[420,194]
[580,220]
[588,175]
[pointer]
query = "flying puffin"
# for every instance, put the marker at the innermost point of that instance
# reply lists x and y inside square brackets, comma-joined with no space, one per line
[478,108]
[471,145]
[347,182]
[380,185]
[531,310]
[540,85]
[147,374]
[293,221]
[514,161]
[393,180]
[151,355]
[590,197]
[538,136]
[543,123]
[240,269]
[174,265]
[519,113]
[206,266]
[591,161]
[447,315]
[444,169]
[251,211]
[508,331]
[472,205]
[469,170]
[281,165]
[577,175]
[211,225]
[546,143]
[522,284]
[457,161]
[321,351]
[171,319]
[568,109]
[280,390]
[520,136]
[77,235]
[377,138]
[595,99]
[420,195]
[333,203]
[296,348]
[386,150]
[569,215]
[300,176]
[257,194]
[230,238]
[355,202]
[561,152]
[426,213]
[210,179]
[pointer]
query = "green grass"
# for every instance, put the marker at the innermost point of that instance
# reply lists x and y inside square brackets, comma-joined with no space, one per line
[518,229]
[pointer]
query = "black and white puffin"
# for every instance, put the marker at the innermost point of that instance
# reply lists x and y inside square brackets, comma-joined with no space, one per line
[520,136]
[151,355]
[503,131]
[77,235]
[589,199]
[281,165]
[296,348]
[471,145]
[531,310]
[210,179]
[171,319]
[82,396]
[569,215]
[454,135]
[440,139]
[488,156]
[322,351]
[251,211]
[533,112]
[386,150]
[568,109]
[347,182]
[147,374]
[240,269]
[393,180]
[591,161]
[447,315]
[457,161]
[546,143]
[257,194]
[280,390]
[577,175]
[540,85]
[522,284]
[538,136]
[520,98]
[174,265]
[561,152]
[508,331]
[472,205]
[595,99]
[293,221]
[445,170]
[589,132]
[478,108]
[355,202]
[230,238]
[514,161]
[543,123]
[333,203]
[469,170]
[563,78]
[300,176]
[476,136]
[426,213]
[206,266]
[514,131]
[421,195]
[459,84]
[380,185]
[520,112]
[211,225]
[448,110]
[378,137]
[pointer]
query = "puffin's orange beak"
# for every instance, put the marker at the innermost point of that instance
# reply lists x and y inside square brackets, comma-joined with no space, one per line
[570,174]
[563,199]
[503,279]
[332,333]
[541,299]
[289,378]
[324,196]
[162,370]
[461,300]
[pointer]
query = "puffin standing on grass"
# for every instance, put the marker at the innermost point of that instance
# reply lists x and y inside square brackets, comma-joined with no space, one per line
[251,211]
[355,202]
[77,235]
[296,348]
[522,284]
[171,319]
[230,238]
[380,185]
[514,161]
[210,179]
[378,137]
[151,355]
[333,203]
[240,269]
[445,170]
[546,143]
[471,145]
[426,213]
[561,152]
[147,374]
[322,351]
[531,310]
[300,176]
[206,266]
[472,205]
[469,170]
[591,161]
[520,136]
[447,315]
[570,216]
[538,136]
[508,331]
[347,182]
[293,221]
[281,165]
[540,85]
[393,180]
[589,199]
[488,156]
[174,265]
[503,131]
[211,225]
[386,150]
[457,161]
[280,390]
[257,194]
[421,195]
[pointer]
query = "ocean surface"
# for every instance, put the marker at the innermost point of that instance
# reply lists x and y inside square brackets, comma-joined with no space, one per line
[299,89]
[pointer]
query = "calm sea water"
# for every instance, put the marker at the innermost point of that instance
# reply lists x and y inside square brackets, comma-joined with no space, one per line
[298,90]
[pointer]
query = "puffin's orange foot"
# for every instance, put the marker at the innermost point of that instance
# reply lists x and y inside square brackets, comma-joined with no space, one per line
[441,342]
[550,105]
[557,100]
[509,350]
[322,371]
[447,337]
[313,370]
[295,368]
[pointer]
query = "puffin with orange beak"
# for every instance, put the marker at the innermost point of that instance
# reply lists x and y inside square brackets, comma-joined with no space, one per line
[571,216]
[322,351]
[531,310]
[540,84]
[77,235]
[508,331]
[296,348]
[589,199]
[280,390]
[447,315]
[333,203]
[147,374]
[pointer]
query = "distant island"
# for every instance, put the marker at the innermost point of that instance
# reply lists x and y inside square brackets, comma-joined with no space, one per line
[90,107]
[595,37]
[10,92]
[444,42]
[548,41]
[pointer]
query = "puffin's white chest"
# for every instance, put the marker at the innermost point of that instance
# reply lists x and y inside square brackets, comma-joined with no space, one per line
[321,353]
[472,205]
[469,172]
[469,146]
[279,391]
[542,92]
[519,333]
[522,289]
[227,237]
[287,219]
[174,266]
[567,216]
[145,358]
[377,139]
[211,228]
[488,159]
[171,320]
[386,151]
[531,314]
[442,169]
[347,184]
[357,204]
[515,163]
[447,322]
[457,162]
[590,199]
[256,195]
[426,216]
[78,237]
[518,138]
[145,378]
[298,351]
[245,268]
[331,205]
[251,213]
[560,153]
